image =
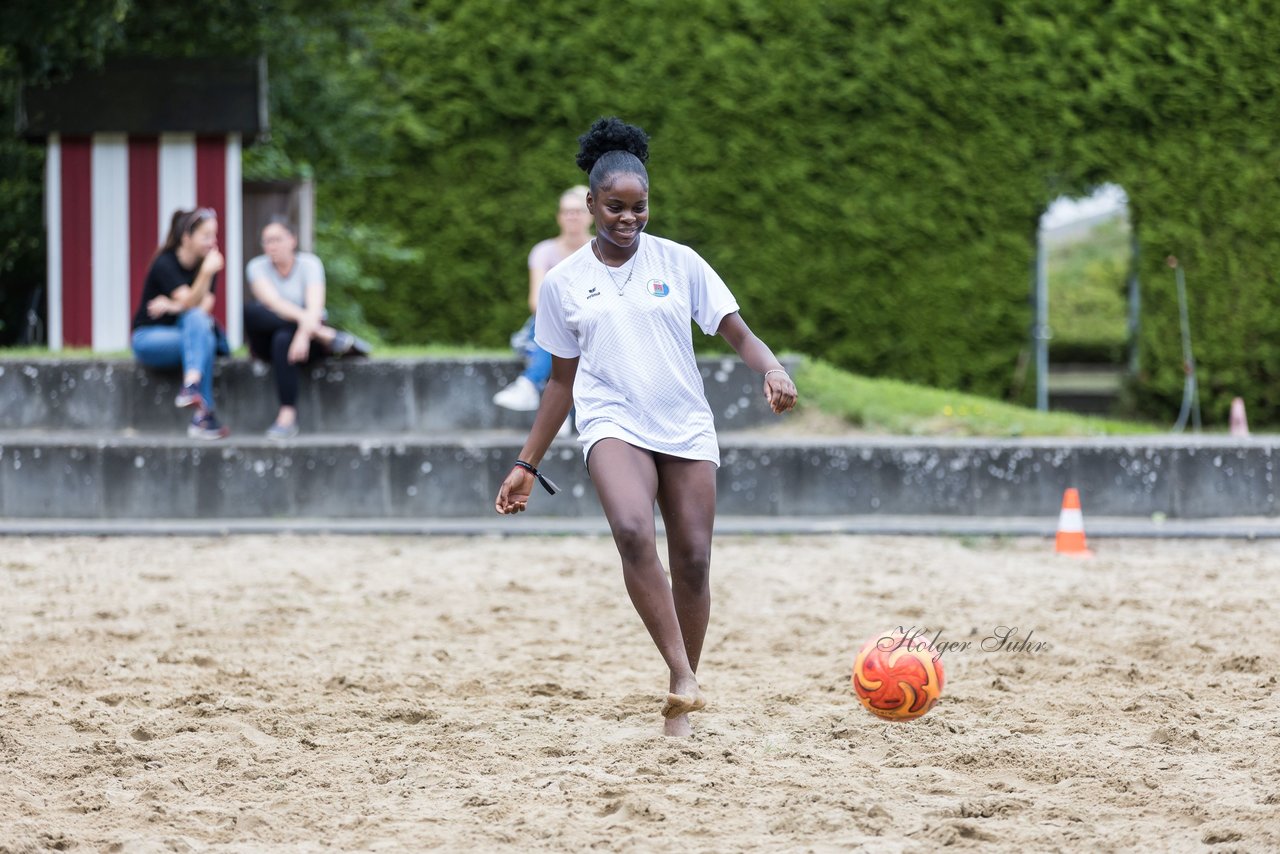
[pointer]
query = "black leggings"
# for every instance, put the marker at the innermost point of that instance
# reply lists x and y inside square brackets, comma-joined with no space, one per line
[269,338]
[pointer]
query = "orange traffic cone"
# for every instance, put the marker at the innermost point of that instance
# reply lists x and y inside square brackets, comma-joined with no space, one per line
[1070,540]
[1239,423]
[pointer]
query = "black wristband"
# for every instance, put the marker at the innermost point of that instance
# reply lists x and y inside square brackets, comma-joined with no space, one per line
[550,487]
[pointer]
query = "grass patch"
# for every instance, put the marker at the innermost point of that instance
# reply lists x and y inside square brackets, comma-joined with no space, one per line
[895,407]
[459,351]
[380,351]
[69,354]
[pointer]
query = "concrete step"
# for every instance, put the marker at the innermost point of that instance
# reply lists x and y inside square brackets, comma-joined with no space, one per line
[1099,527]
[420,396]
[1085,389]
[77,475]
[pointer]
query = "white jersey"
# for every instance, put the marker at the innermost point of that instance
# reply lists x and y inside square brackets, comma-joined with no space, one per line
[637,377]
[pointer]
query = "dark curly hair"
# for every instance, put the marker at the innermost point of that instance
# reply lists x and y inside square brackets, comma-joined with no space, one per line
[611,147]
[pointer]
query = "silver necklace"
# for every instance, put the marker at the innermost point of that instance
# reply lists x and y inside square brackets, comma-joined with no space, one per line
[619,287]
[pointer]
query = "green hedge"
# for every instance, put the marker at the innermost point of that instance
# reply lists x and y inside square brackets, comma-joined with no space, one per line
[866,175]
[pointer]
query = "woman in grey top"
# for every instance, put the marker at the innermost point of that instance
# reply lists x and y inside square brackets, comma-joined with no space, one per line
[285,322]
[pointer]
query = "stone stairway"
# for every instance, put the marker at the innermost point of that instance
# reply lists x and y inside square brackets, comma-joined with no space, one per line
[419,439]
[1084,388]
[374,397]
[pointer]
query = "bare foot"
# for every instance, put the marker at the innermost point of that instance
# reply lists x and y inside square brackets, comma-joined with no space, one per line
[677,727]
[685,696]
[678,705]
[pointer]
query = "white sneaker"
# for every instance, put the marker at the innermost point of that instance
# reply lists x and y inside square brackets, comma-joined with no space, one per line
[522,396]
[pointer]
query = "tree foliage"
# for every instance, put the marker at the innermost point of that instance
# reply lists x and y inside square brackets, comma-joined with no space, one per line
[1088,294]
[866,175]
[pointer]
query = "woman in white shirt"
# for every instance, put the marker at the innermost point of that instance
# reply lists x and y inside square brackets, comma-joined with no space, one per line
[615,317]
[285,322]
[575,230]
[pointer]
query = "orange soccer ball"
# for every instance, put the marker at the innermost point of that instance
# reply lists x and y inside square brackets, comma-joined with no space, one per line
[898,677]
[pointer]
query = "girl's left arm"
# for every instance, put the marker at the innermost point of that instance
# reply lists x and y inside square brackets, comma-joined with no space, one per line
[779,389]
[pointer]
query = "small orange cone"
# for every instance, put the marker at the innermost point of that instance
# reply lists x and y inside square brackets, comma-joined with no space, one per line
[1070,540]
[1239,422]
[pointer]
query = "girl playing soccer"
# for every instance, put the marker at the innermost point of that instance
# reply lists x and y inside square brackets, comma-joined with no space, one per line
[615,317]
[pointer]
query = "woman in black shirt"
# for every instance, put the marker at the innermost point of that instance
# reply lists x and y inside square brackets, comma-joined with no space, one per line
[173,326]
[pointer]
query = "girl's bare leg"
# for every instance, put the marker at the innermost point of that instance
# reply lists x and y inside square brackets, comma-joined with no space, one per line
[687,499]
[626,479]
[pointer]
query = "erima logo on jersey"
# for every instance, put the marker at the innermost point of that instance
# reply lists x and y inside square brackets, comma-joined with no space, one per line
[592,293]
[657,288]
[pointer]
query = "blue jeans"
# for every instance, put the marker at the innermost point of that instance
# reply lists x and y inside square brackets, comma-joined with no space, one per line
[190,345]
[538,367]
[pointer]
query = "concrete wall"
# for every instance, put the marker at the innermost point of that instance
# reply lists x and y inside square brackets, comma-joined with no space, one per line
[422,396]
[149,477]
[421,439]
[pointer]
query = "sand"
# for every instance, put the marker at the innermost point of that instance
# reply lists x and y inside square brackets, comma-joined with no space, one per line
[403,694]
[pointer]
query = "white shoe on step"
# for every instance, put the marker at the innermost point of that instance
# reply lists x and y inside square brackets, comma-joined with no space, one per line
[522,396]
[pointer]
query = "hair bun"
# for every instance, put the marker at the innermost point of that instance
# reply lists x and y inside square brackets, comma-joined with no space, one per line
[611,134]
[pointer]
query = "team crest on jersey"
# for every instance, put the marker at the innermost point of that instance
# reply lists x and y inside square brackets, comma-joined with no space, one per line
[657,288]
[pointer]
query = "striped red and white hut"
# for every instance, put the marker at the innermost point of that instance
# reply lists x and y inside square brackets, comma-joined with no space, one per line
[128,146]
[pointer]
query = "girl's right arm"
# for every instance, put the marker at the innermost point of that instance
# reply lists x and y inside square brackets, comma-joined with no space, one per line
[557,400]
[194,296]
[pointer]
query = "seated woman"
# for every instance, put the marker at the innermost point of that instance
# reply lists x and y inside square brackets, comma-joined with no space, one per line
[575,230]
[173,326]
[285,324]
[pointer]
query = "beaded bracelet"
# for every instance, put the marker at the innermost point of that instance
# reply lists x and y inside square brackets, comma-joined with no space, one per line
[550,487]
[773,371]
